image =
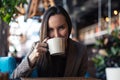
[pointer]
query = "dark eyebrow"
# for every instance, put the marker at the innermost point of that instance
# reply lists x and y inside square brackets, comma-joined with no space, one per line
[61,25]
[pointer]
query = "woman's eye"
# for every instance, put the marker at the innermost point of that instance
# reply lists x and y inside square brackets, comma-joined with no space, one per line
[61,27]
[50,30]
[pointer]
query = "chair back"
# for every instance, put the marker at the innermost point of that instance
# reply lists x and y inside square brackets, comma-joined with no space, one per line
[7,64]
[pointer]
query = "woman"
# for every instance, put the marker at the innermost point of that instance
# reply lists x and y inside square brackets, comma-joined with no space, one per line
[56,23]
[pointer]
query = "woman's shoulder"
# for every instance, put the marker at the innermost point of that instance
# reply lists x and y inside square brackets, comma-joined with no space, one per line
[77,44]
[36,42]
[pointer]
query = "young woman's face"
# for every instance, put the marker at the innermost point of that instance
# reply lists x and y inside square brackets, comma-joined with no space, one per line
[57,26]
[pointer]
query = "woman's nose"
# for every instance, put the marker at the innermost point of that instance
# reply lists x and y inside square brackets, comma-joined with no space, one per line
[56,34]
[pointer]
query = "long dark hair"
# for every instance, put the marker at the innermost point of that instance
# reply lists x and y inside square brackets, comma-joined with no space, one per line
[50,12]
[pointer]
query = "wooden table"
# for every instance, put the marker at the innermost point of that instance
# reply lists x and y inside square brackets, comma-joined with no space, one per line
[60,78]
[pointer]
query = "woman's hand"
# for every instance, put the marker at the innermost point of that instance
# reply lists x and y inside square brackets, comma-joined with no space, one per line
[40,49]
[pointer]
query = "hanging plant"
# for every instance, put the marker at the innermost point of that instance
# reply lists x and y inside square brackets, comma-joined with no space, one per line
[8,9]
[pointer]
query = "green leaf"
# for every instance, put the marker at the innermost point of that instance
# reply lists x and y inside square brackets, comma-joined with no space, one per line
[98,60]
[113,50]
[7,8]
[7,18]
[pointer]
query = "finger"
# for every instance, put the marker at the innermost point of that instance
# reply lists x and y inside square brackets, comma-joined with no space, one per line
[45,40]
[41,49]
[42,45]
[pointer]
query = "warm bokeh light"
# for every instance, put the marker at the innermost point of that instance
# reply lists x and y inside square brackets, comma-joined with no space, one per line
[115,12]
[107,19]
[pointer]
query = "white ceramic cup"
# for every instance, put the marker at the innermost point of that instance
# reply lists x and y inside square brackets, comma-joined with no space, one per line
[113,73]
[56,46]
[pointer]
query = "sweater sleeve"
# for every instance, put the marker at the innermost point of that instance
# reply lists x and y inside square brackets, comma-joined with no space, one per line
[24,69]
[84,63]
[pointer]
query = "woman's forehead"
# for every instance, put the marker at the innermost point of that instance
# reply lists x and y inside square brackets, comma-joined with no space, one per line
[56,20]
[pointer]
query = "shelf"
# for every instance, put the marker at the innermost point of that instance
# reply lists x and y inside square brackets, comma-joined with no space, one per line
[91,39]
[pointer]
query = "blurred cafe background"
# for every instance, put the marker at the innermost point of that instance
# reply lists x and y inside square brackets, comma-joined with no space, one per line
[96,23]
